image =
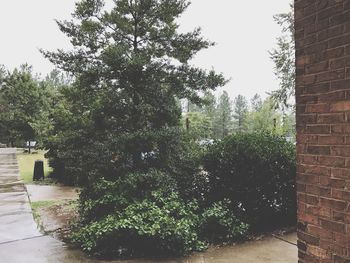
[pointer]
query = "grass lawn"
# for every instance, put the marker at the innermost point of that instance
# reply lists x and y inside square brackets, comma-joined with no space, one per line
[26,164]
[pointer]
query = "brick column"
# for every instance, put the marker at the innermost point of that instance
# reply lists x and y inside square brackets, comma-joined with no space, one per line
[323,127]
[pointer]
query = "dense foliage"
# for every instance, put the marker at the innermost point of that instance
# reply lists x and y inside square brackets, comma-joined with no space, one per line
[256,172]
[25,102]
[222,117]
[154,181]
[116,130]
[219,223]
[160,224]
[144,215]
[131,68]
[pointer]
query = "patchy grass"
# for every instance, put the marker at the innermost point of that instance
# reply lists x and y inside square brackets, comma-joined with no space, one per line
[36,206]
[26,164]
[55,217]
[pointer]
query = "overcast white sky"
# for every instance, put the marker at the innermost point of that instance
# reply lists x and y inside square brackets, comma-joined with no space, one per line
[243,30]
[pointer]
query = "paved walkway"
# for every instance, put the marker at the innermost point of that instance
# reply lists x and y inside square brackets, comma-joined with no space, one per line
[21,242]
[16,220]
[51,193]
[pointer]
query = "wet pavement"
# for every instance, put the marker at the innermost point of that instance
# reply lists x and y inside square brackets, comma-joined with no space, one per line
[51,193]
[16,220]
[20,239]
[21,242]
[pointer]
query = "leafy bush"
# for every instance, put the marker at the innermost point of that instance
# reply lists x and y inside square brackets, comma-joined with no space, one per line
[256,172]
[219,224]
[143,214]
[185,168]
[103,197]
[161,224]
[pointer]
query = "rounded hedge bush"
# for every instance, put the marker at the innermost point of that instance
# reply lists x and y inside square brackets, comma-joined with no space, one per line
[143,214]
[257,173]
[161,224]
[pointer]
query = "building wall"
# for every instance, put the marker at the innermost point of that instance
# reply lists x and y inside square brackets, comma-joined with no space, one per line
[323,128]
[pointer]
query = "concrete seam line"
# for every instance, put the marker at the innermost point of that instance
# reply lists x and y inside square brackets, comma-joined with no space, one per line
[18,240]
[16,182]
[280,238]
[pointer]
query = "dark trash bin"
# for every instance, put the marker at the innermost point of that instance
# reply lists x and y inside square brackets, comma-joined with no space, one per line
[38,170]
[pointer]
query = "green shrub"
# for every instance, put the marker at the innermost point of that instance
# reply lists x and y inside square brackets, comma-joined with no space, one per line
[219,224]
[186,170]
[143,214]
[161,224]
[256,172]
[104,197]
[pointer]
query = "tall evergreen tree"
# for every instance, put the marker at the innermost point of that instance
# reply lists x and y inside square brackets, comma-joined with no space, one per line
[209,104]
[223,116]
[131,67]
[256,102]
[240,110]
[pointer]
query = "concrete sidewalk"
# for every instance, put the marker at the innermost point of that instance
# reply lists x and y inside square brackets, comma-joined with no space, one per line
[16,220]
[21,242]
[20,239]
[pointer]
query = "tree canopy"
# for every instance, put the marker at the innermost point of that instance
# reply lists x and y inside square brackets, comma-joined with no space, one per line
[24,104]
[131,69]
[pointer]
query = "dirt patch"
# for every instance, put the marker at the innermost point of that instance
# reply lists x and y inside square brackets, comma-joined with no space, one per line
[57,218]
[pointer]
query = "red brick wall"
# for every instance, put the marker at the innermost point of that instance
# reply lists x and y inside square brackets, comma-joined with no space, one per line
[323,127]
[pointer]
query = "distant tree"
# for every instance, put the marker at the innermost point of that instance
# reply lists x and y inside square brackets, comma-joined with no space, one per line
[199,118]
[223,116]
[2,73]
[209,104]
[206,106]
[240,110]
[58,79]
[200,125]
[283,57]
[256,102]
[267,119]
[23,106]
[288,125]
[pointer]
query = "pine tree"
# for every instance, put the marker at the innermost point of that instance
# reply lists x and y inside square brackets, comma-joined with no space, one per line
[256,102]
[131,69]
[223,116]
[240,110]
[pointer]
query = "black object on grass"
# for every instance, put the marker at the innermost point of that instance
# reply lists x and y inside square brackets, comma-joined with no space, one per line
[38,170]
